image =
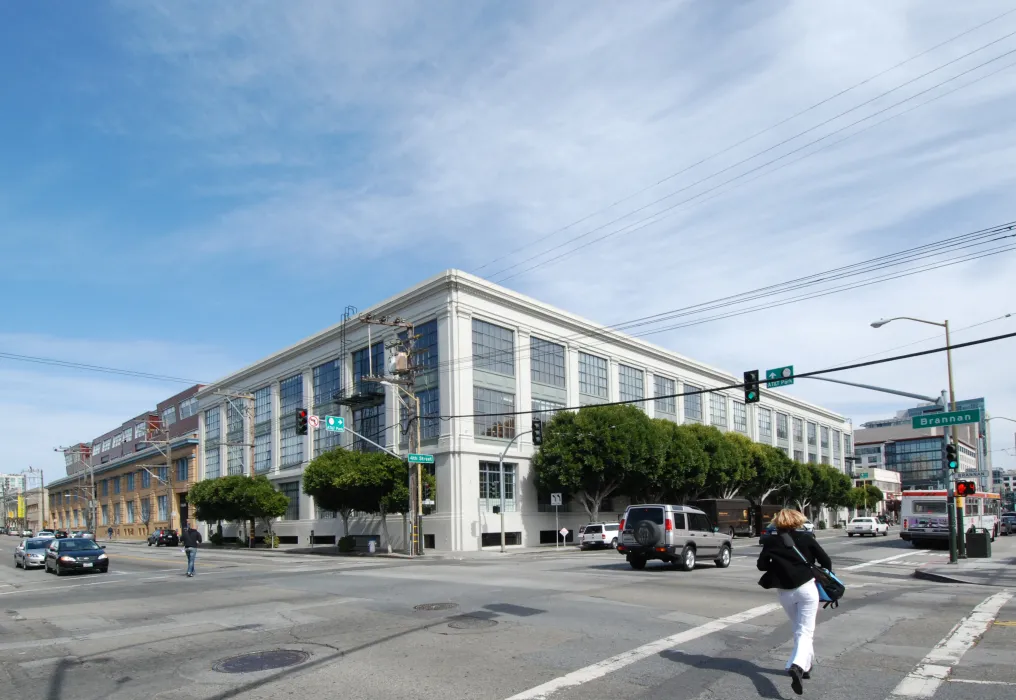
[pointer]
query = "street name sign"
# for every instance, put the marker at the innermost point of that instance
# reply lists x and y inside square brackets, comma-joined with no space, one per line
[937,420]
[555,499]
[420,459]
[335,424]
[781,376]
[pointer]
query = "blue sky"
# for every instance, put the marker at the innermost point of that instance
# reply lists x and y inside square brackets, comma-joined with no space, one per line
[185,188]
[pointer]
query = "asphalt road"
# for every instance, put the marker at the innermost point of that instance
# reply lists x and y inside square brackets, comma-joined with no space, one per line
[563,626]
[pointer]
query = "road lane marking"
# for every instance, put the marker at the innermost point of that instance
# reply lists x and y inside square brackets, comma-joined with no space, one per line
[969,680]
[876,562]
[614,663]
[936,667]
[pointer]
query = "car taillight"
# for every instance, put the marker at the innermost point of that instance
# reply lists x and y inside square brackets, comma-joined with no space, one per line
[621,526]
[669,525]
[904,523]
[603,537]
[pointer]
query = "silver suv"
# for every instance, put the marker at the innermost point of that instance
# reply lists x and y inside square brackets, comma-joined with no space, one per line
[681,535]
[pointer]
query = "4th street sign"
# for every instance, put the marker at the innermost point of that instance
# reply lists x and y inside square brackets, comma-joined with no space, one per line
[781,376]
[937,420]
[335,424]
[420,459]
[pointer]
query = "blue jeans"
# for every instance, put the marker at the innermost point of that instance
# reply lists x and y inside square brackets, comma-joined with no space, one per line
[192,554]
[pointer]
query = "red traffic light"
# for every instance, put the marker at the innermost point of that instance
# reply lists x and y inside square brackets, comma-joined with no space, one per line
[966,488]
[301,421]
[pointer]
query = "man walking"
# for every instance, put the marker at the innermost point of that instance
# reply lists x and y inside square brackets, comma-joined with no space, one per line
[190,539]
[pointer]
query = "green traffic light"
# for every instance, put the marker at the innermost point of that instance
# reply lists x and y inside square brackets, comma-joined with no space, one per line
[751,394]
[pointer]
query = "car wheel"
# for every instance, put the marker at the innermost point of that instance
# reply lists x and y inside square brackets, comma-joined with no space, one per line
[16,564]
[59,571]
[149,543]
[723,561]
[732,533]
[687,560]
[885,534]
[850,534]
[637,563]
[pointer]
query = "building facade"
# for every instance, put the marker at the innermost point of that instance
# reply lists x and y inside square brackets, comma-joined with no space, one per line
[483,352]
[136,477]
[917,454]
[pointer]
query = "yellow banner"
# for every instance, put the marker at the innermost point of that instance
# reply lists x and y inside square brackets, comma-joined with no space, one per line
[21,506]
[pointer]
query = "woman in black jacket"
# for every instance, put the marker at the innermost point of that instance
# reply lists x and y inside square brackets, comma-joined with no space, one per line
[796,583]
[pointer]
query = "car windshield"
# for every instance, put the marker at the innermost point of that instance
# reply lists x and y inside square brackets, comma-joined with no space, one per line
[36,544]
[77,545]
[654,515]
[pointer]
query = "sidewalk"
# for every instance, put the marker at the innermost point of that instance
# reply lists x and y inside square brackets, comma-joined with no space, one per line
[999,571]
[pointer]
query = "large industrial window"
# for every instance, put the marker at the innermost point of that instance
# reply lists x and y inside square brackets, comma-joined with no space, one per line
[547,362]
[593,376]
[490,407]
[327,384]
[782,428]
[493,348]
[212,436]
[692,404]
[290,399]
[765,426]
[262,429]
[665,403]
[291,489]
[631,384]
[718,411]
[370,423]
[490,486]
[740,418]
[368,365]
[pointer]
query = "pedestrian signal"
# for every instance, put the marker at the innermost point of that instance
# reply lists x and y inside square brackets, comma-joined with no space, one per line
[966,488]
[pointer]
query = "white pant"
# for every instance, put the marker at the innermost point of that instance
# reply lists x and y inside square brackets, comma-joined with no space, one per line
[801,605]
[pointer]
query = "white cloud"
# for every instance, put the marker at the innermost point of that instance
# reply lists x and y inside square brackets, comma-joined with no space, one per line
[433,129]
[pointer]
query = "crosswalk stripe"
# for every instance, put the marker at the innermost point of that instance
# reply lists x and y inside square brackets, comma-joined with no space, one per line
[935,668]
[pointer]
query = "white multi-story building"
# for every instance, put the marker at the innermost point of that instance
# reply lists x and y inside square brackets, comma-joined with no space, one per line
[484,351]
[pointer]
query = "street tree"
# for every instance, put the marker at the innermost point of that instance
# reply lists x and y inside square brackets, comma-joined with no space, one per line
[800,489]
[596,453]
[324,480]
[731,467]
[262,502]
[678,468]
[773,469]
[866,497]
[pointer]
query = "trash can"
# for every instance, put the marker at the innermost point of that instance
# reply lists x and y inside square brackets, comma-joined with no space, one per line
[978,543]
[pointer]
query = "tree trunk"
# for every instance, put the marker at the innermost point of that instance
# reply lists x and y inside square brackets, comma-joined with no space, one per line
[384,530]
[730,492]
[345,522]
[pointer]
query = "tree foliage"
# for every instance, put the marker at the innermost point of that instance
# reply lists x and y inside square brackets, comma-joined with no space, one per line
[237,498]
[601,451]
[597,452]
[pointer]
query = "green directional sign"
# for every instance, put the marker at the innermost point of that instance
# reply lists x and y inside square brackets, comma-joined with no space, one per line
[335,424]
[420,459]
[781,376]
[938,420]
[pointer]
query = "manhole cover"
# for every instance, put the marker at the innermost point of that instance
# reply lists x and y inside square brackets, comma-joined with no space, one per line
[261,661]
[436,606]
[467,622]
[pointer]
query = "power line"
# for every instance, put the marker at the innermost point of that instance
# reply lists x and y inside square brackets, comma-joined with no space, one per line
[927,250]
[727,387]
[749,138]
[658,215]
[97,368]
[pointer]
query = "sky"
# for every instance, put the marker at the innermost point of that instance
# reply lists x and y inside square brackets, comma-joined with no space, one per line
[186,188]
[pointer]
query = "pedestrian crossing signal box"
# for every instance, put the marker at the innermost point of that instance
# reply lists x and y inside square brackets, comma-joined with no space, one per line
[966,488]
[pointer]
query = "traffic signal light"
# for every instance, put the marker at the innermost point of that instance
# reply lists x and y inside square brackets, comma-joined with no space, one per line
[951,457]
[301,421]
[751,392]
[537,432]
[966,488]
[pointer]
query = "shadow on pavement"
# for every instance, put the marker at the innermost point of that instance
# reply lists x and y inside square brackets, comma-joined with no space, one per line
[758,676]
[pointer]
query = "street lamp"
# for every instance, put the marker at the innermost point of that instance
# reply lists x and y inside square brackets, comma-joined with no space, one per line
[950,497]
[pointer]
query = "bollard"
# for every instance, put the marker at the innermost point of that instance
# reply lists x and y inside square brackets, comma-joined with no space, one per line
[311,538]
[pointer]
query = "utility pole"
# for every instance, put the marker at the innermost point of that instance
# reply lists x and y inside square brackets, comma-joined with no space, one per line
[246,410]
[404,374]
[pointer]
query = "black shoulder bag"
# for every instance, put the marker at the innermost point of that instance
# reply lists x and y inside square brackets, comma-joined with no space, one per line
[830,588]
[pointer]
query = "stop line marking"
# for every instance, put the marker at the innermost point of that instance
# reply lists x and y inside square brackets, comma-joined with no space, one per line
[614,663]
[876,562]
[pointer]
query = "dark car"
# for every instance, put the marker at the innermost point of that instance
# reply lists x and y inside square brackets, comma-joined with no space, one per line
[60,534]
[163,537]
[63,556]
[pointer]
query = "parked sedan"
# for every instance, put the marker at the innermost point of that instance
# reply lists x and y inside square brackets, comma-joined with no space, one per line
[67,555]
[164,537]
[867,526]
[31,552]
[44,533]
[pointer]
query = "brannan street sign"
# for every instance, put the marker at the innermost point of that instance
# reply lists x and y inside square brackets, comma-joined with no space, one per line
[420,459]
[780,376]
[937,420]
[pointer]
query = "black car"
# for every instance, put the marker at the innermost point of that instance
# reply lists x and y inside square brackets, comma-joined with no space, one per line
[67,555]
[164,537]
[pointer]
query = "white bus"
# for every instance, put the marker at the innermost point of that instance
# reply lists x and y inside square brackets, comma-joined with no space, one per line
[924,518]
